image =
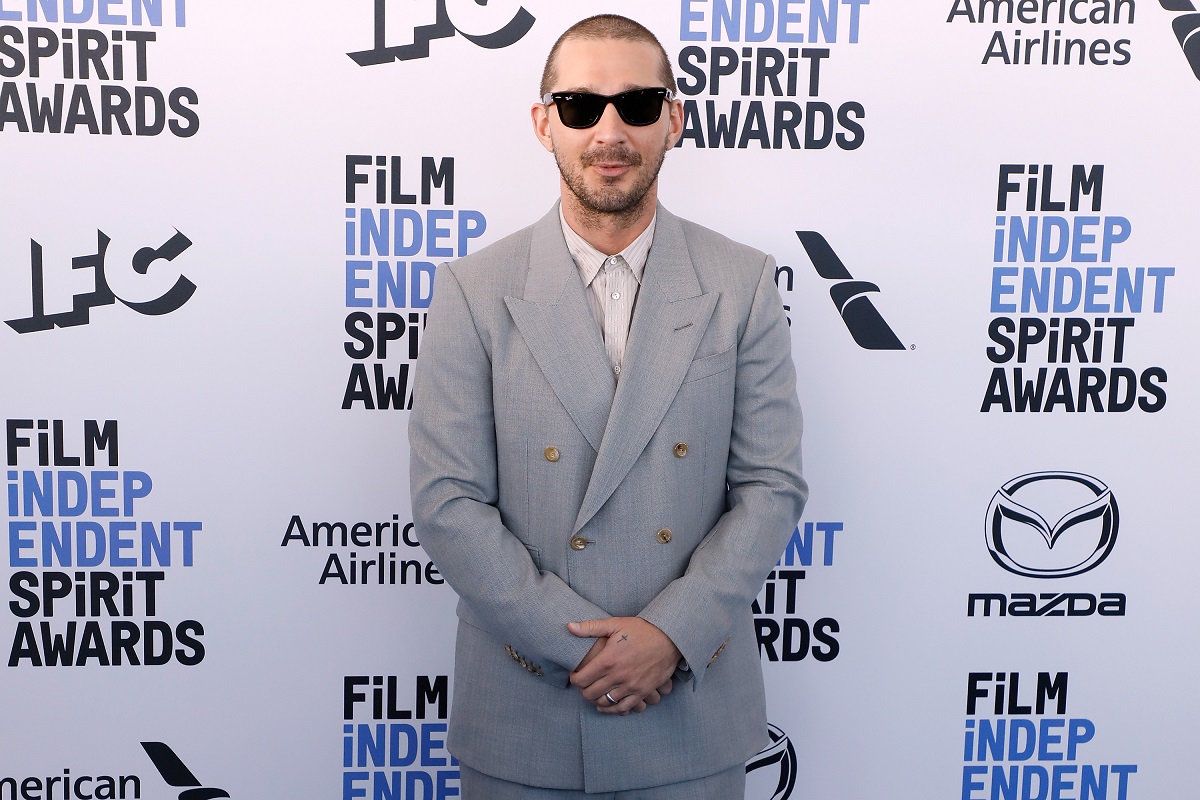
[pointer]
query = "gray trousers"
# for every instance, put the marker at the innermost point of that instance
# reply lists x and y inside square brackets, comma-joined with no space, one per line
[727,785]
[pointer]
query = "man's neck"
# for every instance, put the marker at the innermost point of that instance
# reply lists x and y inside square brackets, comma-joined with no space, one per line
[608,233]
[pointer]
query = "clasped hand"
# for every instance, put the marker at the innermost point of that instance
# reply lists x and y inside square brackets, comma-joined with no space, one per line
[630,662]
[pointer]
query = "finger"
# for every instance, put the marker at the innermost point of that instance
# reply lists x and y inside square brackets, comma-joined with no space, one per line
[592,652]
[603,699]
[652,698]
[586,679]
[624,702]
[587,673]
[597,668]
[595,693]
[624,705]
[666,688]
[591,628]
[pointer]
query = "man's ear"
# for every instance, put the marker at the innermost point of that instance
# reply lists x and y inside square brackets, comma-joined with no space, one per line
[675,130]
[541,125]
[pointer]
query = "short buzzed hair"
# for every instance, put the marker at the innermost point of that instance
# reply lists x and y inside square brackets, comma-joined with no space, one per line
[607,26]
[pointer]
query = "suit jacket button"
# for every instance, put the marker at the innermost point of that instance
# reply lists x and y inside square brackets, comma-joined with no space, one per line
[664,536]
[578,542]
[551,454]
[681,450]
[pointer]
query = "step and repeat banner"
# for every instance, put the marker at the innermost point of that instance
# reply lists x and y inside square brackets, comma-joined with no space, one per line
[217,252]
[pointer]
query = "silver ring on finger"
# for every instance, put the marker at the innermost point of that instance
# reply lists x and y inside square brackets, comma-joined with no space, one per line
[610,699]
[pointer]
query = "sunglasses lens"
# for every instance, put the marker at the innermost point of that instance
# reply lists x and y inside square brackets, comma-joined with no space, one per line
[580,110]
[641,107]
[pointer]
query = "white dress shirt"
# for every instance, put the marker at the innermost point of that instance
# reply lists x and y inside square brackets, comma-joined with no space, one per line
[614,282]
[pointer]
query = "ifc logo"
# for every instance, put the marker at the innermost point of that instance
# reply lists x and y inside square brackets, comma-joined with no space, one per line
[771,774]
[1052,524]
[404,29]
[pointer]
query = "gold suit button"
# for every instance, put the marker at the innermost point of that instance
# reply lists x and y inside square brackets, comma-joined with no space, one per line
[681,450]
[578,542]
[552,454]
[664,536]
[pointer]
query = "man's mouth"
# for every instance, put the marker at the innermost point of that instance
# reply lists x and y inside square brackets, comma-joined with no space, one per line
[611,161]
[610,169]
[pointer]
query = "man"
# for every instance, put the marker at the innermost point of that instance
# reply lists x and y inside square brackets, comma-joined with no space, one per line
[605,446]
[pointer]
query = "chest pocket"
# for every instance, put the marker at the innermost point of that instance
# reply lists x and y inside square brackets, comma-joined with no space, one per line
[711,365]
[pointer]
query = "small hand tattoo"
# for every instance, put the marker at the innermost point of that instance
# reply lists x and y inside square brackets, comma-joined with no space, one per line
[624,636]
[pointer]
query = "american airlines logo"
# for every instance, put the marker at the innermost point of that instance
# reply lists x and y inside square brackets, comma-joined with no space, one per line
[850,296]
[1187,30]
[176,773]
[403,29]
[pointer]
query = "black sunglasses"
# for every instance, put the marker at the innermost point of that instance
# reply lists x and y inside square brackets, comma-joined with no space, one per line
[584,109]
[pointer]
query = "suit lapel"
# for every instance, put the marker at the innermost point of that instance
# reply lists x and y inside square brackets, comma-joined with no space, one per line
[669,320]
[556,322]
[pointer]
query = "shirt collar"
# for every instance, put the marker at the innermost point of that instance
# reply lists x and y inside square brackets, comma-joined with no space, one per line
[590,260]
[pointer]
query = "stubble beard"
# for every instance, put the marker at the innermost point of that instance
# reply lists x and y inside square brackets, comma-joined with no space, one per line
[609,204]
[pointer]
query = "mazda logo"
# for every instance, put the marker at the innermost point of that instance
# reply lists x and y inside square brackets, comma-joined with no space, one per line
[771,774]
[1052,524]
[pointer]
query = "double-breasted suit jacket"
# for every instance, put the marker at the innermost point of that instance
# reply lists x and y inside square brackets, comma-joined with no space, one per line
[547,491]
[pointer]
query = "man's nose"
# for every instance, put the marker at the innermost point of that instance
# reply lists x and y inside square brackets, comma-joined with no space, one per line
[611,127]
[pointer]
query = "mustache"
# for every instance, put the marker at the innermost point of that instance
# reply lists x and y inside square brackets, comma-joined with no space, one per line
[611,154]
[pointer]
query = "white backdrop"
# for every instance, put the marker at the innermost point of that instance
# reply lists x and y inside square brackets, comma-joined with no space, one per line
[246,414]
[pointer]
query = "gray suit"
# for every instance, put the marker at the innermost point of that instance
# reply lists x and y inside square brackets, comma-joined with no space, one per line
[547,491]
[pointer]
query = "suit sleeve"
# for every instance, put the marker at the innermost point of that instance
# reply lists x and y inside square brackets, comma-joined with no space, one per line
[765,496]
[453,474]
